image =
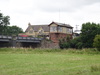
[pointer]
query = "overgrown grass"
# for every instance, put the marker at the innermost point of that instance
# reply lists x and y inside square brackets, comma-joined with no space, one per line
[95,68]
[38,50]
[27,61]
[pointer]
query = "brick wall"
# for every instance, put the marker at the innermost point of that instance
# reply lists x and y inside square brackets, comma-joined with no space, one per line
[56,36]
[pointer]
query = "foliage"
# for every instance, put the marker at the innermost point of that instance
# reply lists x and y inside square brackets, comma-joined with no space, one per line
[96,42]
[4,21]
[70,43]
[76,43]
[8,30]
[13,30]
[73,43]
[85,40]
[89,31]
[64,43]
[79,45]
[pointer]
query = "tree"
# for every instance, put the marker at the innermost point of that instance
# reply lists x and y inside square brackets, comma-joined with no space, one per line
[4,21]
[85,40]
[13,30]
[96,42]
[76,43]
[89,31]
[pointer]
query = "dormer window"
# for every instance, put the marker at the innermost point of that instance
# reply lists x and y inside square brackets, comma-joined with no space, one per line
[31,31]
[41,31]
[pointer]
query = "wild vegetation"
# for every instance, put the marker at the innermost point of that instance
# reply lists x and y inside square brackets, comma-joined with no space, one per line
[86,38]
[29,61]
[97,42]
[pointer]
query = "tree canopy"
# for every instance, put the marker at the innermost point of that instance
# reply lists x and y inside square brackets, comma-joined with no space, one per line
[13,30]
[4,21]
[89,31]
[86,38]
[96,42]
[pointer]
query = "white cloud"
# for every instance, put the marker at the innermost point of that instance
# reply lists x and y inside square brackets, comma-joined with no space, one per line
[72,12]
[63,5]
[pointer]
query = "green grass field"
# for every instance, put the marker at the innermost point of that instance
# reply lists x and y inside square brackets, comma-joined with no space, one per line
[48,62]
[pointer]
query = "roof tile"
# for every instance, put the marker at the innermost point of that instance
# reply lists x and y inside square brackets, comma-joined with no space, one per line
[36,27]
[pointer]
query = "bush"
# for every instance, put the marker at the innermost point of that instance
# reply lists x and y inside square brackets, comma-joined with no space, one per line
[79,45]
[96,42]
[73,43]
[64,45]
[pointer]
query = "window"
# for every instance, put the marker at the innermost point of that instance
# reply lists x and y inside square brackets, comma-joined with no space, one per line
[69,30]
[59,29]
[41,31]
[53,28]
[31,31]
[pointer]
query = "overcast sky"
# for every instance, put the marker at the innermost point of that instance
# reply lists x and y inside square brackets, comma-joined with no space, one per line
[73,12]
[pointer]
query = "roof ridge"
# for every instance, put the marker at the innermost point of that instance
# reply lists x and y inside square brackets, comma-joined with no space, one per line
[40,25]
[63,24]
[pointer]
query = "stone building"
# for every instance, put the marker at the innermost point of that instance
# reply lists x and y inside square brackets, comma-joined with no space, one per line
[37,30]
[53,31]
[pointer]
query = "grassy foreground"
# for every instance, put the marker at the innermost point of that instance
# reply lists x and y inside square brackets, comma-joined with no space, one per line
[49,62]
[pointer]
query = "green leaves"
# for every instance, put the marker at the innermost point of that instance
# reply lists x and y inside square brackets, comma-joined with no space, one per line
[85,40]
[8,30]
[96,42]
[13,30]
[89,30]
[4,20]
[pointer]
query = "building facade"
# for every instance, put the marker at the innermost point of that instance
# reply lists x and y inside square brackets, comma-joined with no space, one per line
[37,30]
[53,31]
[59,31]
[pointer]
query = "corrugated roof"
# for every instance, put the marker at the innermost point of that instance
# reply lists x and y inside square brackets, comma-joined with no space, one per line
[36,27]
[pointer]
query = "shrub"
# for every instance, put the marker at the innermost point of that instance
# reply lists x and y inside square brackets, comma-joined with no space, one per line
[65,42]
[79,45]
[96,42]
[70,43]
[64,45]
[73,43]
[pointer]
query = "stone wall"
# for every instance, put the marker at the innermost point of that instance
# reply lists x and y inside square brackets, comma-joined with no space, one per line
[48,44]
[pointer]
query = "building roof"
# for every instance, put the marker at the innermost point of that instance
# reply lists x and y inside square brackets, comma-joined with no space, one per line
[46,26]
[62,24]
[36,27]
